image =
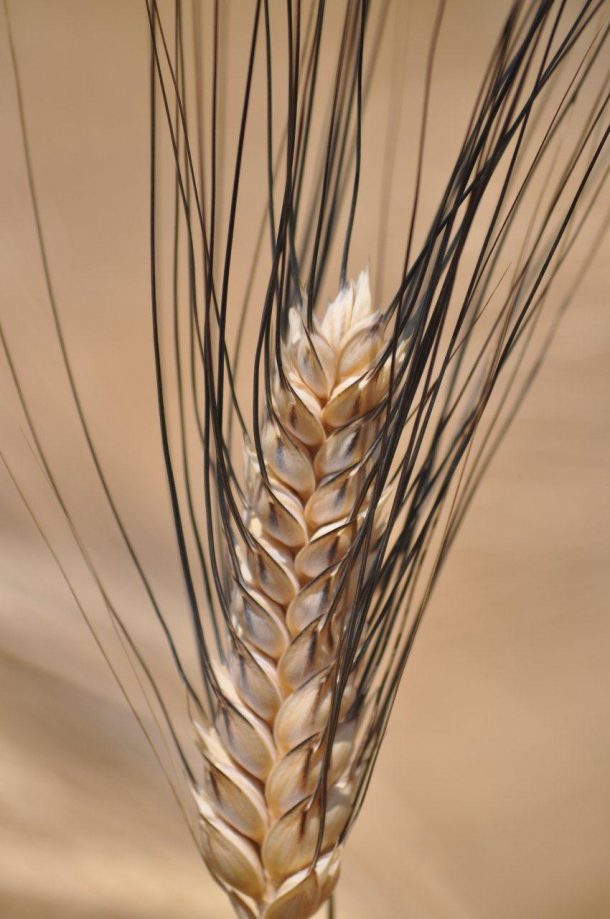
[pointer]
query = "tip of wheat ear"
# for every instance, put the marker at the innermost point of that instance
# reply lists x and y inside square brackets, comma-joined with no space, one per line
[263,754]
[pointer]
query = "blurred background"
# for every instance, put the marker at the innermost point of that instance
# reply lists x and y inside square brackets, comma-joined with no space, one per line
[492,793]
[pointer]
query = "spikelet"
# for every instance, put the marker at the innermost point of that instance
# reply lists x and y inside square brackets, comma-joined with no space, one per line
[260,801]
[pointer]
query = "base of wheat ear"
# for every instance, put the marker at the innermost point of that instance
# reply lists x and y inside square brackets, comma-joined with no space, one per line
[294,579]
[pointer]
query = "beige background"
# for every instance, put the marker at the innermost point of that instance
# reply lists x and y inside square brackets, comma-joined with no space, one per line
[492,794]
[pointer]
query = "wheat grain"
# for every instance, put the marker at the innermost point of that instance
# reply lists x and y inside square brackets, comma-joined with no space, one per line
[263,756]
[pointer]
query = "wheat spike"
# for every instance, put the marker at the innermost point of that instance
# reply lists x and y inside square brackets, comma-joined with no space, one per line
[259,802]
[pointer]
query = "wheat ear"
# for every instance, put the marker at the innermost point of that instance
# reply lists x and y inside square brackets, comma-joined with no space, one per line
[259,802]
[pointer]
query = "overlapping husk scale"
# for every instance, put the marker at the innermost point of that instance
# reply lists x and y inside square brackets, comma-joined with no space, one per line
[294,582]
